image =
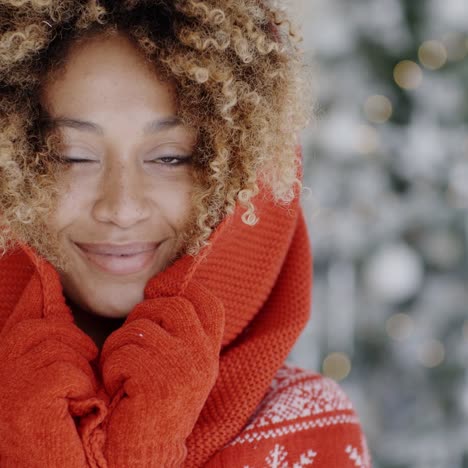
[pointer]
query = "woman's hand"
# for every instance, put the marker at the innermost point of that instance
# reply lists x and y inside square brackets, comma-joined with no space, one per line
[44,368]
[159,369]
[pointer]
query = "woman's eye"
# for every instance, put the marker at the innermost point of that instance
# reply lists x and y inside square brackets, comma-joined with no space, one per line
[168,161]
[172,161]
[76,160]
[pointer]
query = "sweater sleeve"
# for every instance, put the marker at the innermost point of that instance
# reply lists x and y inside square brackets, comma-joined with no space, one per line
[305,419]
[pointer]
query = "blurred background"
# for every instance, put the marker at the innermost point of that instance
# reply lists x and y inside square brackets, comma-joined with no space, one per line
[386,160]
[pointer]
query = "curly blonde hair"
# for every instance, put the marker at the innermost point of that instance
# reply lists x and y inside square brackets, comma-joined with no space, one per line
[239,80]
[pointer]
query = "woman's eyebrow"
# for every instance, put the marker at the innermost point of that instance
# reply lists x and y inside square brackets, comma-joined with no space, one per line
[153,126]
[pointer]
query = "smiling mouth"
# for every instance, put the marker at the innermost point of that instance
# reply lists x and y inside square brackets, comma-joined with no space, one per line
[120,264]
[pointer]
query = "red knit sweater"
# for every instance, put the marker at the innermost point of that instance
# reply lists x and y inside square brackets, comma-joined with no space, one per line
[196,376]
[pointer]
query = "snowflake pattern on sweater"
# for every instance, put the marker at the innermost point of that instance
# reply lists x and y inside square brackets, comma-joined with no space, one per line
[277,458]
[305,419]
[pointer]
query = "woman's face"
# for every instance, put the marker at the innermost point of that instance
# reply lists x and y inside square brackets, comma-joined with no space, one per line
[114,113]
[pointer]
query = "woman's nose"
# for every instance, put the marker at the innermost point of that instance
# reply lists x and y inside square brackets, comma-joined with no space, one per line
[122,198]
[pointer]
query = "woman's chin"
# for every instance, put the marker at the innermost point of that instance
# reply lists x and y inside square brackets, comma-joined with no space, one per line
[110,311]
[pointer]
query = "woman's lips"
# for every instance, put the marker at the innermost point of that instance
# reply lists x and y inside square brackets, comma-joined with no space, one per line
[120,265]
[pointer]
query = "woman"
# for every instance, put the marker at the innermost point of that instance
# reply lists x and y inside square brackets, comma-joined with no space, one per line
[145,319]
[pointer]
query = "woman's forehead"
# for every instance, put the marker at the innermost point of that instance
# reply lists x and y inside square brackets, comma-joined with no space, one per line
[107,75]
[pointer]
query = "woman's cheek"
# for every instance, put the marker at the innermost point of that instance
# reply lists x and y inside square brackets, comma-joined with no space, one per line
[71,202]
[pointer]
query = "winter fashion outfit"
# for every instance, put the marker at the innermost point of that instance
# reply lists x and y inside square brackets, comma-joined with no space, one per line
[196,375]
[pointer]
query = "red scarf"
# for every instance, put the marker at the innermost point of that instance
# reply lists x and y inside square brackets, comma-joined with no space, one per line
[262,275]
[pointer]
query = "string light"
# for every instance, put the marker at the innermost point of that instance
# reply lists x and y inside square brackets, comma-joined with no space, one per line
[407,74]
[378,108]
[432,54]
[336,366]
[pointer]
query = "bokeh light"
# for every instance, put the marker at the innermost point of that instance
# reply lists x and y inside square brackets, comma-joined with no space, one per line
[336,366]
[431,353]
[400,326]
[407,74]
[432,54]
[378,108]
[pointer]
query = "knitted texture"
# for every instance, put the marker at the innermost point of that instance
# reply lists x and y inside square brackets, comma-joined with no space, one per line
[44,371]
[305,419]
[185,376]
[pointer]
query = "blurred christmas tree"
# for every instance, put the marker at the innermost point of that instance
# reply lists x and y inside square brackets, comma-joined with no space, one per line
[387,165]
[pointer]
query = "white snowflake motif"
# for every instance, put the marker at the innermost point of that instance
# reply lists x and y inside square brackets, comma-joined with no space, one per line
[277,458]
[354,456]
